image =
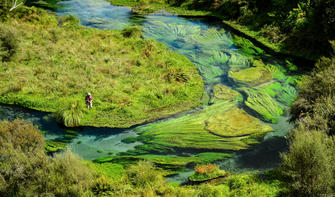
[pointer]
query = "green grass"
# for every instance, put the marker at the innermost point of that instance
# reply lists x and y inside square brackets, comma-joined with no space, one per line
[111,170]
[145,7]
[132,80]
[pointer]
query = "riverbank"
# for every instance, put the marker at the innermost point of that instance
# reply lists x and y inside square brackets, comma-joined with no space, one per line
[270,38]
[55,66]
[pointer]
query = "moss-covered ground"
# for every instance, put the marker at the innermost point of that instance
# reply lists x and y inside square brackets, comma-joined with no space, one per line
[53,66]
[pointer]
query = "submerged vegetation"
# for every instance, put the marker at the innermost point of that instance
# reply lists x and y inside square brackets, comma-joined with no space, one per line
[26,170]
[54,65]
[49,63]
[301,28]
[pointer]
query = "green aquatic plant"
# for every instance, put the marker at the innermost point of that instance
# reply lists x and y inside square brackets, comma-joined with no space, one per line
[170,164]
[222,92]
[211,64]
[210,73]
[267,108]
[276,71]
[129,140]
[271,89]
[217,58]
[287,95]
[213,38]
[246,46]
[163,31]
[70,114]
[250,76]
[235,122]
[54,146]
[189,132]
[238,60]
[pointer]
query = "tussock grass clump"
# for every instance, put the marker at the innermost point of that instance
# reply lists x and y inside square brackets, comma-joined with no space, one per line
[8,43]
[132,31]
[55,64]
[71,114]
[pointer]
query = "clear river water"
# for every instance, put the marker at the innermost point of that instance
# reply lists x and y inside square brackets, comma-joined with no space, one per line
[197,39]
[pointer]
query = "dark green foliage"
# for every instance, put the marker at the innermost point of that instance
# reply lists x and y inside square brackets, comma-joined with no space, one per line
[316,97]
[308,167]
[48,4]
[300,27]
[25,170]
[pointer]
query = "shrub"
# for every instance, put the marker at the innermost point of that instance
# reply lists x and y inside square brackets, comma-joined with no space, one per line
[206,172]
[8,43]
[20,135]
[308,166]
[144,175]
[25,170]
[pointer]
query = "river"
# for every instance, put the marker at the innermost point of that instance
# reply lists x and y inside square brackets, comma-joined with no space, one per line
[197,39]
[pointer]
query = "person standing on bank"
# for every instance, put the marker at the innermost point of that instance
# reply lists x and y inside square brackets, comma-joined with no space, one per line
[89,100]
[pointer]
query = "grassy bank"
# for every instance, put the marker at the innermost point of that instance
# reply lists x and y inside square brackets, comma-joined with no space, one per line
[51,68]
[285,28]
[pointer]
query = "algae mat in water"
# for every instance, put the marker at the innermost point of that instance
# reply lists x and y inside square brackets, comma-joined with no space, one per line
[235,122]
[193,131]
[132,80]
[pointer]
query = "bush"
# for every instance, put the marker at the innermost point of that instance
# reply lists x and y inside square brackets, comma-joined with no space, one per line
[144,175]
[21,136]
[25,170]
[308,166]
[8,43]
